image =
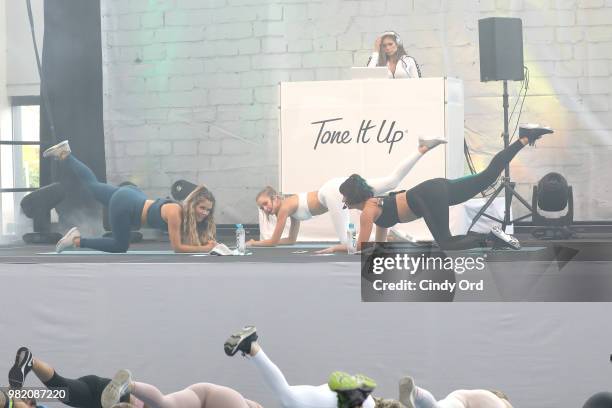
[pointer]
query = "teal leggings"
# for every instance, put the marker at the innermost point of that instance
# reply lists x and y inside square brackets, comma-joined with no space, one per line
[124,204]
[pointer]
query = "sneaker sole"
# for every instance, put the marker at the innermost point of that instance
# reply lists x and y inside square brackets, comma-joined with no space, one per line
[233,343]
[59,248]
[113,391]
[507,239]
[17,372]
[50,151]
[406,388]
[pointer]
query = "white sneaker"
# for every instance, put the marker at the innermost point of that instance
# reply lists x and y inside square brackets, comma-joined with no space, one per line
[401,236]
[406,392]
[67,240]
[505,239]
[431,143]
[115,389]
[58,151]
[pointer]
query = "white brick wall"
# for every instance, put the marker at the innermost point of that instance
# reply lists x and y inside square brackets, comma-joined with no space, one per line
[190,85]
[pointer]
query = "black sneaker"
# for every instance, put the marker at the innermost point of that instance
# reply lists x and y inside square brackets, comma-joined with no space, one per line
[502,240]
[241,341]
[533,132]
[21,368]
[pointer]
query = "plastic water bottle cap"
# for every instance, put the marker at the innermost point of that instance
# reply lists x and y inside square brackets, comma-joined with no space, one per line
[238,225]
[351,225]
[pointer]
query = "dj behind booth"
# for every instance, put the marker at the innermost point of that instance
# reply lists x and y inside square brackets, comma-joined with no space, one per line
[368,125]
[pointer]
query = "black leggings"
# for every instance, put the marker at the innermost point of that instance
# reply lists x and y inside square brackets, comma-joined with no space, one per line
[432,198]
[84,392]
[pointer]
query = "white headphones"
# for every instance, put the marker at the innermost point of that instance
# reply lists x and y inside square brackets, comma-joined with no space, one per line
[397,37]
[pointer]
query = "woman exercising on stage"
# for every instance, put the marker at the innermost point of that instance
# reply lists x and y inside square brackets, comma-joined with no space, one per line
[341,391]
[303,206]
[190,225]
[83,392]
[412,396]
[431,200]
[201,395]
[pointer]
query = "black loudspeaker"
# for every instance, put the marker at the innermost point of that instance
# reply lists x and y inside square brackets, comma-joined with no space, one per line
[501,49]
[181,189]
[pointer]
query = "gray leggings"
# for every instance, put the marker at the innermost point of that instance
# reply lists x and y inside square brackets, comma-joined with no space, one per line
[201,395]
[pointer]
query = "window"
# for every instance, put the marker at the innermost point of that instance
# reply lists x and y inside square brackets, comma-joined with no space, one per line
[19,161]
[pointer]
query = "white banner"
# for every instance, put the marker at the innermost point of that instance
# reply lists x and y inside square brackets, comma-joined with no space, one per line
[335,128]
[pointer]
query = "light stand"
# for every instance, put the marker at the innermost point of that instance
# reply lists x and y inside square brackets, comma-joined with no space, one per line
[507,185]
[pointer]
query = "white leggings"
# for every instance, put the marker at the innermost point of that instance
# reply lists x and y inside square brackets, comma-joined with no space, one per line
[460,399]
[329,193]
[296,396]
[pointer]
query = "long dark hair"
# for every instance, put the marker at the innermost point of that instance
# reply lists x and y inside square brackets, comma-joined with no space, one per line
[356,190]
[351,398]
[401,52]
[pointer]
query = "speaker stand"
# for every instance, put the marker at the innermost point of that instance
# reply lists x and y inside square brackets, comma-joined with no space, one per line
[507,185]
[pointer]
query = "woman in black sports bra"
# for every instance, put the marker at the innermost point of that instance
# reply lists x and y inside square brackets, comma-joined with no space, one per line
[431,199]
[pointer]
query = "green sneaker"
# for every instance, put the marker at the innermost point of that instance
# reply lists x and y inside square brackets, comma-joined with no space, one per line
[340,381]
[366,383]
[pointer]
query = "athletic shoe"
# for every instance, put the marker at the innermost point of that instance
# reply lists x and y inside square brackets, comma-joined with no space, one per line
[340,381]
[533,131]
[5,401]
[431,143]
[241,341]
[58,151]
[116,389]
[499,237]
[406,392]
[67,240]
[23,365]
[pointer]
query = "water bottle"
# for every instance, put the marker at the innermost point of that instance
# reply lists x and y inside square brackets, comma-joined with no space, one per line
[240,239]
[351,239]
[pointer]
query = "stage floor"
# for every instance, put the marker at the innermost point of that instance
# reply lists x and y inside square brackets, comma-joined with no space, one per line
[593,248]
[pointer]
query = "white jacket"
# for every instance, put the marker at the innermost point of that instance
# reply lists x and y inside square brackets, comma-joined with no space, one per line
[406,67]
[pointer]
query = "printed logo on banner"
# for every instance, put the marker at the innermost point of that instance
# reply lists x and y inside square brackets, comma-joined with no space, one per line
[329,131]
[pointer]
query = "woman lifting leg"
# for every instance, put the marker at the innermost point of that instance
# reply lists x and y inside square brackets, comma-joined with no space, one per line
[82,392]
[341,391]
[431,200]
[303,206]
[190,225]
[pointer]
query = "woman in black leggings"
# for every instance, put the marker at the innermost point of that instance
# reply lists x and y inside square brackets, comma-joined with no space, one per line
[82,392]
[431,200]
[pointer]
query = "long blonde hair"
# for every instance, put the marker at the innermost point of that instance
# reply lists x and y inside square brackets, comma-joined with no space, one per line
[192,231]
[271,193]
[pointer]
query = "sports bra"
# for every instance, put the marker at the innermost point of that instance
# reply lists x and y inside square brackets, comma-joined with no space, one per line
[154,218]
[389,216]
[302,213]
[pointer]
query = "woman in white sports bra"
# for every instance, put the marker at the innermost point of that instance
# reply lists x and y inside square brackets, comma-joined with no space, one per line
[303,206]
